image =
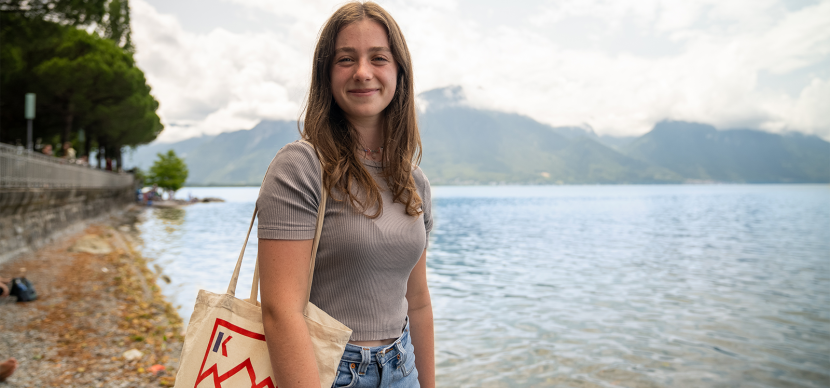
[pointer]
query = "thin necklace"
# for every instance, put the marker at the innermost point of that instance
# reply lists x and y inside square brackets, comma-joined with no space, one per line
[370,152]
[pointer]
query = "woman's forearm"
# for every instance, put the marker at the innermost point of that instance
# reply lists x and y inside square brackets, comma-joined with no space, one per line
[284,266]
[423,339]
[420,322]
[292,356]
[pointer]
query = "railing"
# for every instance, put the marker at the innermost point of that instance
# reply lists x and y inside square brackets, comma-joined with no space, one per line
[20,168]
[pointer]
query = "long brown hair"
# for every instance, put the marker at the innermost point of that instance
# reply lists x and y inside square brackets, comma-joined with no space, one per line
[336,140]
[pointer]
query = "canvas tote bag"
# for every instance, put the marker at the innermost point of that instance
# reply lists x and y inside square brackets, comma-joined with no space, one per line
[225,341]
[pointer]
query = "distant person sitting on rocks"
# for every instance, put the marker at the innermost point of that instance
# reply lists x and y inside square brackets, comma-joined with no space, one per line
[7,368]
[4,287]
[47,150]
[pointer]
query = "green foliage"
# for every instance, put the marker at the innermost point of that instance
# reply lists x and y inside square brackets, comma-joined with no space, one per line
[70,12]
[98,82]
[117,28]
[168,172]
[110,18]
[81,79]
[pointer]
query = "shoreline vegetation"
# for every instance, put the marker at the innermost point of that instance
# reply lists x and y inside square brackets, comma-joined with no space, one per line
[100,319]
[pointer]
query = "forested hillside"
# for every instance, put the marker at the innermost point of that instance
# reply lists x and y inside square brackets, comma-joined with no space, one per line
[701,152]
[464,145]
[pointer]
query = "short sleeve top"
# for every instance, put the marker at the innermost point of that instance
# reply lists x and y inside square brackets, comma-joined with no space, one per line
[363,264]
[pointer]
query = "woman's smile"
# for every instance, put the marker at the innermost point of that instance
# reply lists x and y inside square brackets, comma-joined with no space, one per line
[363,92]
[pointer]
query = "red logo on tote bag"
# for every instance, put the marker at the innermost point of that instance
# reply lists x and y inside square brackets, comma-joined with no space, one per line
[227,364]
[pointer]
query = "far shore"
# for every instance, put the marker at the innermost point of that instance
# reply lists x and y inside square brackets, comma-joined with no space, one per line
[173,203]
[488,184]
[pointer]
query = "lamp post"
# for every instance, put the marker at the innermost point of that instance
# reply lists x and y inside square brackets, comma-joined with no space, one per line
[82,142]
[30,115]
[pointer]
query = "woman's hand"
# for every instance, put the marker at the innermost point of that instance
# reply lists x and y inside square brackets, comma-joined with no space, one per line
[283,268]
[420,322]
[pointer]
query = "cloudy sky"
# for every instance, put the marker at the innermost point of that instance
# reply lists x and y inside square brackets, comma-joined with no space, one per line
[617,66]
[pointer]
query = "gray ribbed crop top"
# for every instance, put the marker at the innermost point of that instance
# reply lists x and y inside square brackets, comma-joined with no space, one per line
[362,264]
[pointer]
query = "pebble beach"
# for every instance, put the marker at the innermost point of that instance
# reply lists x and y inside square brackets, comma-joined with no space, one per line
[100,319]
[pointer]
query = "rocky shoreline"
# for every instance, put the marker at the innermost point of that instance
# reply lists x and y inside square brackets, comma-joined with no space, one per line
[176,203]
[100,319]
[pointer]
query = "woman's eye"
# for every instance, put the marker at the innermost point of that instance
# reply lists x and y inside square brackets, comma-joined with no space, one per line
[381,59]
[346,59]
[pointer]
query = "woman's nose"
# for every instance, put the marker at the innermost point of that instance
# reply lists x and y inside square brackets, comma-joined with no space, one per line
[363,72]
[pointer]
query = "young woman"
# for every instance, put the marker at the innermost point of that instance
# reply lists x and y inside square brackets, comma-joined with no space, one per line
[370,272]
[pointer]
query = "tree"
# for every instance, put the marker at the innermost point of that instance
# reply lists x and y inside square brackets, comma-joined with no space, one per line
[117,27]
[168,172]
[118,107]
[82,80]
[25,44]
[79,13]
[95,81]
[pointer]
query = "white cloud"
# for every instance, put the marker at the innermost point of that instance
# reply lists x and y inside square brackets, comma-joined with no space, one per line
[225,81]
[219,81]
[810,112]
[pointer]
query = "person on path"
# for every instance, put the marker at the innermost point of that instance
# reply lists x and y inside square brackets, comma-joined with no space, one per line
[370,271]
[8,366]
[69,152]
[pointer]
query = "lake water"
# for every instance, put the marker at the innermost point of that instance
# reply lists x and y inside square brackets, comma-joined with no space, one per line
[586,286]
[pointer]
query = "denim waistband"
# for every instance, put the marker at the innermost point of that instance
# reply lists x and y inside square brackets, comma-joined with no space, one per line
[366,356]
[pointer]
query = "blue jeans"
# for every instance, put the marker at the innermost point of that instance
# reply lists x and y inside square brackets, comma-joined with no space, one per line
[390,366]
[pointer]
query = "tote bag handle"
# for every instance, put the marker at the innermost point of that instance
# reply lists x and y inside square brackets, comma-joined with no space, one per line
[321,212]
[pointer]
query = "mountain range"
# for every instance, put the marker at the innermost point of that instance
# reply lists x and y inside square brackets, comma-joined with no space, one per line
[465,145]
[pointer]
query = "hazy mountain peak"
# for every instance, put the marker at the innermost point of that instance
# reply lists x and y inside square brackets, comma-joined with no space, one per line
[448,96]
[683,127]
[576,132]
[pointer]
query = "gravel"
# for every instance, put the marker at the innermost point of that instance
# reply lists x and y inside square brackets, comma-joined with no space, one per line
[91,308]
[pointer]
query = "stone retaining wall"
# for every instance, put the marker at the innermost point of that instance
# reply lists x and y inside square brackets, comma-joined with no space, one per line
[30,218]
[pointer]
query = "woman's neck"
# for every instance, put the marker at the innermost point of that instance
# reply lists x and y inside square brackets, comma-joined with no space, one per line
[370,135]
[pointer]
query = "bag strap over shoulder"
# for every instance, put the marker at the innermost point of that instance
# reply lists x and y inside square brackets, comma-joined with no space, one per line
[321,211]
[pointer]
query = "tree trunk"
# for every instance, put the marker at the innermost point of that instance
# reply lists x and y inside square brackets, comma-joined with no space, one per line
[118,159]
[88,146]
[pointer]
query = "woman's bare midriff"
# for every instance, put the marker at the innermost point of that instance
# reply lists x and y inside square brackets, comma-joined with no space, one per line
[372,344]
